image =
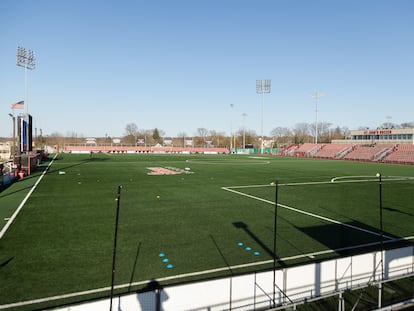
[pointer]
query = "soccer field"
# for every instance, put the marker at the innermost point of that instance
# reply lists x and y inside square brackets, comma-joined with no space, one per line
[188,217]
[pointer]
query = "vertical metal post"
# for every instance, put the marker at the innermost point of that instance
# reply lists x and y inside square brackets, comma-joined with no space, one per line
[231,128]
[381,241]
[341,302]
[274,244]
[118,200]
[13,150]
[261,127]
[244,129]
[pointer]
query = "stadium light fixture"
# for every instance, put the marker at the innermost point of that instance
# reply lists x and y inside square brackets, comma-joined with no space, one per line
[27,60]
[262,87]
[316,95]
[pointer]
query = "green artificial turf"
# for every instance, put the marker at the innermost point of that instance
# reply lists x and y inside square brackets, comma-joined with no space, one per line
[62,240]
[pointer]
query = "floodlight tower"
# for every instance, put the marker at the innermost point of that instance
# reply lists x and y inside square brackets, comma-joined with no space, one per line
[26,59]
[262,87]
[316,95]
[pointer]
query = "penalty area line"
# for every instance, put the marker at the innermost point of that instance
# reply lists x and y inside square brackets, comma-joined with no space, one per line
[306,213]
[17,211]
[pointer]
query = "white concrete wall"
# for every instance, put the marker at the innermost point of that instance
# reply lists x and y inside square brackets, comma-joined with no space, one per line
[255,290]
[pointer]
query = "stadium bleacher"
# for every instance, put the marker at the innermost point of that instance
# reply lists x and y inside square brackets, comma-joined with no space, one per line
[307,150]
[333,151]
[403,153]
[138,149]
[387,153]
[368,153]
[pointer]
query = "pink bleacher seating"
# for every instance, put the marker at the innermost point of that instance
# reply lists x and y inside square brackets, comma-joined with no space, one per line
[332,151]
[388,153]
[138,149]
[305,149]
[367,153]
[289,150]
[403,153]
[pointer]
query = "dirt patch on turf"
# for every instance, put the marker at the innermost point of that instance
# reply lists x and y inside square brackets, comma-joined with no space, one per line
[168,171]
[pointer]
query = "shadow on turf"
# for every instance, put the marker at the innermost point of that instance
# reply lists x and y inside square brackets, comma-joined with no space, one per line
[6,262]
[131,280]
[221,254]
[352,237]
[79,163]
[395,210]
[245,228]
[41,169]
[13,192]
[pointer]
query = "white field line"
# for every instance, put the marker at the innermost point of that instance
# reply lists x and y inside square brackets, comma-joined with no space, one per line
[306,213]
[17,211]
[335,180]
[199,273]
[180,276]
[349,179]
[272,185]
[227,162]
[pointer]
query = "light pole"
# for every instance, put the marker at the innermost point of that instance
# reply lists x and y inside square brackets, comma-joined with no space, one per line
[316,95]
[244,115]
[262,87]
[26,59]
[231,128]
[14,134]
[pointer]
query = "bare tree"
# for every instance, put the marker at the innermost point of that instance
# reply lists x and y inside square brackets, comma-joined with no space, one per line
[131,129]
[407,125]
[389,126]
[131,133]
[324,132]
[301,133]
[181,137]
[218,138]
[202,133]
[281,135]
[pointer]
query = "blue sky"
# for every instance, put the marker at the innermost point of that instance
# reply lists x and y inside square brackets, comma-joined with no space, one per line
[180,65]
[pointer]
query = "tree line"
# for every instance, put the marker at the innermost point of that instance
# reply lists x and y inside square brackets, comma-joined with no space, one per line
[278,136]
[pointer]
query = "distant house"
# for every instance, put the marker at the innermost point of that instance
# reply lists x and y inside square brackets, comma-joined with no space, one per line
[5,151]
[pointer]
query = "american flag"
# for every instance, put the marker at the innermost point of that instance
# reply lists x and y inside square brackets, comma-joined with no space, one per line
[18,105]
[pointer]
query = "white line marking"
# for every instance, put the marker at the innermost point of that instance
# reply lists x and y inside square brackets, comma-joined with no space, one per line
[230,189]
[180,276]
[227,162]
[17,211]
[350,179]
[306,213]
